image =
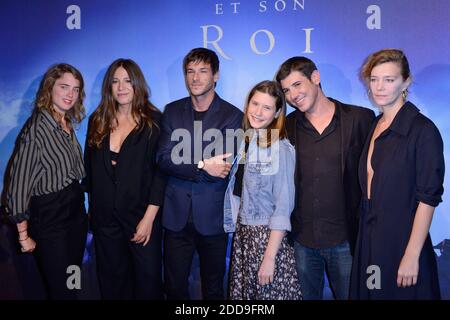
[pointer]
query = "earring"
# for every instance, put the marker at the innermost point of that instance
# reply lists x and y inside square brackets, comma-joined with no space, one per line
[369,92]
[405,94]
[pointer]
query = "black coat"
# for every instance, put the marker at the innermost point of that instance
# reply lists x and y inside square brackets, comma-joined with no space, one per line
[355,123]
[136,183]
[408,164]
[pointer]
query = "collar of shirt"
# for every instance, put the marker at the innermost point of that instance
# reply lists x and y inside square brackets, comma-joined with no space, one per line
[305,125]
[404,118]
[49,119]
[52,123]
[302,120]
[214,103]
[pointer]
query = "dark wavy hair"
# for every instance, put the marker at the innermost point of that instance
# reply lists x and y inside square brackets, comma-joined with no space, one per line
[204,55]
[301,64]
[104,118]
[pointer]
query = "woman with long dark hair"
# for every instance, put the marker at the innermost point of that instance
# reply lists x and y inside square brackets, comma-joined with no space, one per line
[124,186]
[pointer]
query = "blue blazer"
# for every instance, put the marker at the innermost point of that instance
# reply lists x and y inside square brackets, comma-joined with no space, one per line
[189,188]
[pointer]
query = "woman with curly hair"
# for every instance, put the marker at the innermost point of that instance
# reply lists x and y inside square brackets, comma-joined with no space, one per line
[44,197]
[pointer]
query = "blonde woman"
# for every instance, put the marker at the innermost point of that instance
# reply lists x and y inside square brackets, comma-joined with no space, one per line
[401,174]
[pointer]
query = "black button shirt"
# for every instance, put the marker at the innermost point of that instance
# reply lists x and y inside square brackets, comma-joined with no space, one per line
[320,208]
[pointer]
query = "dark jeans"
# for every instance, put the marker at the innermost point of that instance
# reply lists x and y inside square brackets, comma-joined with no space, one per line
[311,265]
[179,248]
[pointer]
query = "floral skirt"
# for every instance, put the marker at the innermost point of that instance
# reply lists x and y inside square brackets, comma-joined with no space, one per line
[249,244]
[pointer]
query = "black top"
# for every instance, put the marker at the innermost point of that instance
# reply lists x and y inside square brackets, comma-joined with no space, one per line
[237,190]
[199,115]
[320,201]
[46,159]
[114,156]
[354,125]
[135,182]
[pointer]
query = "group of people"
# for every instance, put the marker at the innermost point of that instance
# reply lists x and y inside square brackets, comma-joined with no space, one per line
[330,188]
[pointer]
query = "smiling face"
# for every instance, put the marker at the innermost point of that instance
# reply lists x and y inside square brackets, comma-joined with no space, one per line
[65,93]
[122,88]
[301,92]
[386,85]
[261,110]
[200,79]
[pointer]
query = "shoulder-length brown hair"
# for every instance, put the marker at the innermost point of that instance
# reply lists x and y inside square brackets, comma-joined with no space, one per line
[44,99]
[273,89]
[383,56]
[104,118]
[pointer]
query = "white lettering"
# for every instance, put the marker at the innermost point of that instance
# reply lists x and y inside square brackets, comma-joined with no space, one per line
[300,4]
[280,5]
[263,6]
[214,42]
[374,281]
[374,20]
[181,153]
[308,40]
[74,20]
[74,280]
[269,36]
[219,8]
[216,146]
[187,310]
[283,5]
[235,4]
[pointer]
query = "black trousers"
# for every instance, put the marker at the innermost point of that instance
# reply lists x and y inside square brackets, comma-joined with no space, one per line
[127,270]
[58,224]
[179,248]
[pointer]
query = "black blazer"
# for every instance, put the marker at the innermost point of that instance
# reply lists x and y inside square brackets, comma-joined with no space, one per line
[137,181]
[355,124]
[188,187]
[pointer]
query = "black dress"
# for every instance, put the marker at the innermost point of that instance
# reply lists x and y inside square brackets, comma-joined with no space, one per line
[408,166]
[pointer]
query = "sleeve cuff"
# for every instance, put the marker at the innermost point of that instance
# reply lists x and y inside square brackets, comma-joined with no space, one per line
[429,199]
[280,223]
[18,218]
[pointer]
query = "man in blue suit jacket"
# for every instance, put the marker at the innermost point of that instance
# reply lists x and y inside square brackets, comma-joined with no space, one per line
[196,170]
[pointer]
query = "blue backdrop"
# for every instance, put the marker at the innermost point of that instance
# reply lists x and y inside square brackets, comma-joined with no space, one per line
[252,38]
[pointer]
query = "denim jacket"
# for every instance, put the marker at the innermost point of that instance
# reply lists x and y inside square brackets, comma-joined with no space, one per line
[268,191]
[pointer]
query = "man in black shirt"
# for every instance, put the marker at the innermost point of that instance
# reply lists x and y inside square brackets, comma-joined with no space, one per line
[328,136]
